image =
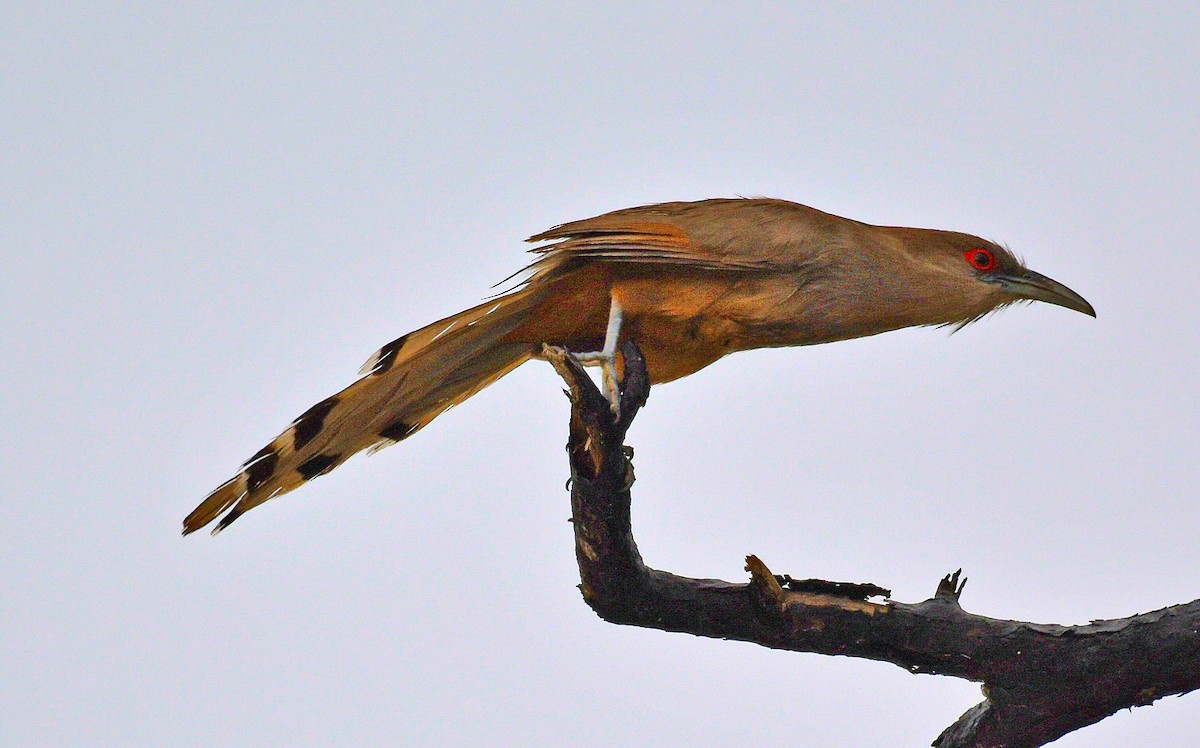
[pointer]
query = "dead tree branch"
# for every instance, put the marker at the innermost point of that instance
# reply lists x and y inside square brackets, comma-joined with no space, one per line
[1040,681]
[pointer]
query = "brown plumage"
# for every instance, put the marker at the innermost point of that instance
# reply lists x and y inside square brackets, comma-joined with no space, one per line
[693,282]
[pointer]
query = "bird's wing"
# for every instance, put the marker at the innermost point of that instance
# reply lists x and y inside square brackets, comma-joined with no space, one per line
[723,234]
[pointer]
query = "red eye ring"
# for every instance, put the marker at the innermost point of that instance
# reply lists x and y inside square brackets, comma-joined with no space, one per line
[981,259]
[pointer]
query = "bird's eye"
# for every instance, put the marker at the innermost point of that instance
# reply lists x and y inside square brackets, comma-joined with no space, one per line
[981,259]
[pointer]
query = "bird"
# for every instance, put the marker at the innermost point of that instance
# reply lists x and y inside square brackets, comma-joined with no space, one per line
[689,282]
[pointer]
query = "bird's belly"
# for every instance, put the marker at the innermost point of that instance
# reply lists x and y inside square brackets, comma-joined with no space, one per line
[672,349]
[682,321]
[681,324]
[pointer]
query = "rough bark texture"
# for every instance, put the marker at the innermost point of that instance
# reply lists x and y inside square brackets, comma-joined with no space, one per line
[1040,681]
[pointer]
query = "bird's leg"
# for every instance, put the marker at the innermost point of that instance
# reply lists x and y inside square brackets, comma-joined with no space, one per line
[607,358]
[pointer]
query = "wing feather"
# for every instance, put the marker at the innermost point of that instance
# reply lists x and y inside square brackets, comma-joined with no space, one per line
[734,234]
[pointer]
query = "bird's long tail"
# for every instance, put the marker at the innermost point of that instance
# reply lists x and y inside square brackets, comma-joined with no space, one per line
[405,385]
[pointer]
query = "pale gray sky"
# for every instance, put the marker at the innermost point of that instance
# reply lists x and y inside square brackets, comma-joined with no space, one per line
[211,217]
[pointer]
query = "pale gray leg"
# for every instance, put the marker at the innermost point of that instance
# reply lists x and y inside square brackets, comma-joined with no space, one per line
[607,358]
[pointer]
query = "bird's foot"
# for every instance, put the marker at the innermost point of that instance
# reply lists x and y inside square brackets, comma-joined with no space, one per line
[607,361]
[607,358]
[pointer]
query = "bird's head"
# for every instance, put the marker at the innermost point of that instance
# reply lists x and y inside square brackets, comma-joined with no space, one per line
[960,278]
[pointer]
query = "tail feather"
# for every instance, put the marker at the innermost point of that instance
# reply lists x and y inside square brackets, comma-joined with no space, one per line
[405,385]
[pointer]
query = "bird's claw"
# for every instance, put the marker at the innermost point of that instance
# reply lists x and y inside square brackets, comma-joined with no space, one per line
[607,361]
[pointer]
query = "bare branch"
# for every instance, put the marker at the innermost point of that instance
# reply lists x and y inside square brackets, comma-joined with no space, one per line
[1040,681]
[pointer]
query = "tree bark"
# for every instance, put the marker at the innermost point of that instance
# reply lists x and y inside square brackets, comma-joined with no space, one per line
[1040,681]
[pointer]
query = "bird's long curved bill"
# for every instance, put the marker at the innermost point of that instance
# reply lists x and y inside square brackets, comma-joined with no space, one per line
[1037,287]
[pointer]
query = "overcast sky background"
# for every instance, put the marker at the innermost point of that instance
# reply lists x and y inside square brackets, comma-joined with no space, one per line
[210,218]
